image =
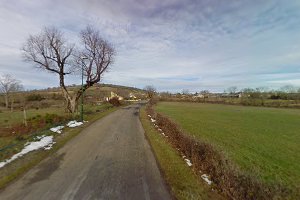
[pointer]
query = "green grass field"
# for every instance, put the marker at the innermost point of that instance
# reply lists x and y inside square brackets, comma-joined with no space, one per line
[9,118]
[261,141]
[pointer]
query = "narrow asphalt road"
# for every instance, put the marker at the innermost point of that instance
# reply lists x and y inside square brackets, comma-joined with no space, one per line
[111,159]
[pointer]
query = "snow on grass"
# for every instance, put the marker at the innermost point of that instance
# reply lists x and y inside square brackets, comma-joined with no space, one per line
[71,124]
[152,120]
[45,142]
[74,123]
[57,129]
[188,162]
[206,179]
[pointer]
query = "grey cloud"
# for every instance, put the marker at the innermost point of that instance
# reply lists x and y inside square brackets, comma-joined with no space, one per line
[222,43]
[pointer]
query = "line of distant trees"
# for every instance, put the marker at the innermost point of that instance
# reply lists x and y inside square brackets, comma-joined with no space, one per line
[286,96]
[287,92]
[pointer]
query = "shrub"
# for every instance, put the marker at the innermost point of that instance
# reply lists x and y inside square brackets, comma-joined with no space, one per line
[53,118]
[20,137]
[34,97]
[57,96]
[114,101]
[44,105]
[153,100]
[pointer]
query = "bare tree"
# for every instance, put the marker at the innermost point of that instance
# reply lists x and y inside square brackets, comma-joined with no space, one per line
[185,92]
[204,92]
[150,90]
[95,56]
[8,85]
[288,89]
[51,52]
[232,90]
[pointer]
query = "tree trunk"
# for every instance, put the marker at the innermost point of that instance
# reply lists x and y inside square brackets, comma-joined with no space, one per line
[6,100]
[25,117]
[73,105]
[12,105]
[71,101]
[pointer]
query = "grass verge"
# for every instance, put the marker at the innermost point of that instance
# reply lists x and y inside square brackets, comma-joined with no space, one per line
[182,181]
[25,163]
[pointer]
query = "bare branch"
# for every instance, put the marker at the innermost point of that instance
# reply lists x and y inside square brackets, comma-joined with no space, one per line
[8,85]
[97,53]
[49,51]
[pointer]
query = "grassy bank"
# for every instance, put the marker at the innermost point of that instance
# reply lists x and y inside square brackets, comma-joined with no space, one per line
[23,164]
[183,183]
[261,141]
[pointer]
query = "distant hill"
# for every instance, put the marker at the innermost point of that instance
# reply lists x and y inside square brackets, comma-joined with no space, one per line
[52,97]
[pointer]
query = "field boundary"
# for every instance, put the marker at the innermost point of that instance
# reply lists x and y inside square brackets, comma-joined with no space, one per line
[226,177]
[246,104]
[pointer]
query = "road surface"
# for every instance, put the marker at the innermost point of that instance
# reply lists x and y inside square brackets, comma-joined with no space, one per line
[110,159]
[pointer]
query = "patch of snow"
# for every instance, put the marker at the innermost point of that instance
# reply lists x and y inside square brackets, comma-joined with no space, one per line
[188,162]
[152,120]
[57,129]
[44,142]
[206,179]
[48,147]
[149,116]
[183,156]
[74,123]
[163,134]
[159,129]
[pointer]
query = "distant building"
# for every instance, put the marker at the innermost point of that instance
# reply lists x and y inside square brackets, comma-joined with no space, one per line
[113,95]
[200,96]
[132,96]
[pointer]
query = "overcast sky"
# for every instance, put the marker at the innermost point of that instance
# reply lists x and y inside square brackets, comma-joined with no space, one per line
[171,44]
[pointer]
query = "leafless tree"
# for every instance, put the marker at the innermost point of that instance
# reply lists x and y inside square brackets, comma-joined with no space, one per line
[185,92]
[204,92]
[232,90]
[150,90]
[8,85]
[288,89]
[50,51]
